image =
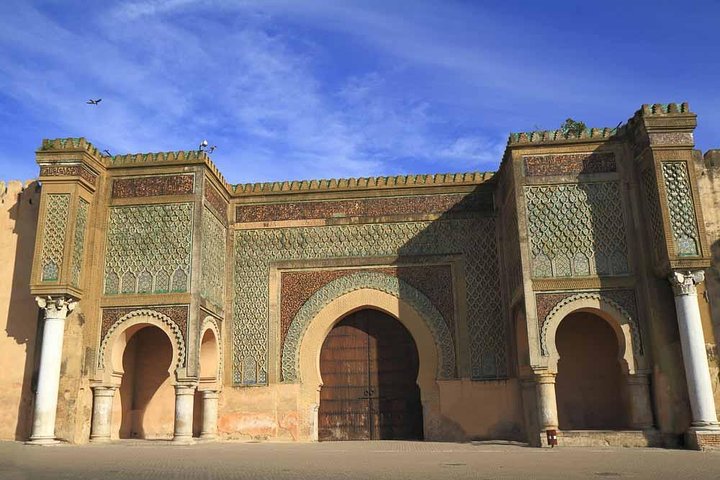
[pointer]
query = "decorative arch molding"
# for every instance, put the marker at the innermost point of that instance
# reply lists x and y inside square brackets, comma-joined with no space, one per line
[150,317]
[623,323]
[374,281]
[211,323]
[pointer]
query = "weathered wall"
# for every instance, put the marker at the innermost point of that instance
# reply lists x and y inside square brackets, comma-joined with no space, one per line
[708,172]
[468,411]
[589,385]
[18,311]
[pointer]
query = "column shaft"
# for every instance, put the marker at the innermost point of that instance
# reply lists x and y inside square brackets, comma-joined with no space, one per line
[210,414]
[102,414]
[692,340]
[46,397]
[184,399]
[547,403]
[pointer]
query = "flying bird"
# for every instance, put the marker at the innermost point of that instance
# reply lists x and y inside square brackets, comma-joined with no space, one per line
[94,102]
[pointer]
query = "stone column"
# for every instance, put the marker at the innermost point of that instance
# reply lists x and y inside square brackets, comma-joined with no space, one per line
[697,370]
[184,399]
[56,310]
[102,413]
[209,414]
[547,403]
[641,417]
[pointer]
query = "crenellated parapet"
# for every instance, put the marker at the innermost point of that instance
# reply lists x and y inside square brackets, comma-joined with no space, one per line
[560,135]
[337,184]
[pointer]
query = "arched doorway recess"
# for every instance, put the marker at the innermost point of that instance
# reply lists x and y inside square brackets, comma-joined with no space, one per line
[369,366]
[147,395]
[590,385]
[205,409]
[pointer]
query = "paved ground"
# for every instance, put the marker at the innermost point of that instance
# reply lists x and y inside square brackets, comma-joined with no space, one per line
[347,460]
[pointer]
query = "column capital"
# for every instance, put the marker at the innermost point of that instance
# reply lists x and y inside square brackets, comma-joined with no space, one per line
[685,282]
[185,388]
[104,390]
[545,377]
[210,393]
[56,307]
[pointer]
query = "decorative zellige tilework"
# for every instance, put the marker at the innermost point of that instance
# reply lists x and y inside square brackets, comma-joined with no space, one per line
[576,230]
[652,205]
[681,208]
[53,243]
[79,242]
[212,285]
[149,249]
[392,285]
[256,249]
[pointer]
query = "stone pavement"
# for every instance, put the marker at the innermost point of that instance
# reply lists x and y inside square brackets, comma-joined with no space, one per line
[346,460]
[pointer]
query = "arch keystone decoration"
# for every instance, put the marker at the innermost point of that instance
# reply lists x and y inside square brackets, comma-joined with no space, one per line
[149,317]
[623,323]
[388,284]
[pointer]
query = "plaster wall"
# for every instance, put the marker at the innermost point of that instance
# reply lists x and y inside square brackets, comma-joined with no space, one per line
[708,174]
[19,203]
[145,404]
[468,411]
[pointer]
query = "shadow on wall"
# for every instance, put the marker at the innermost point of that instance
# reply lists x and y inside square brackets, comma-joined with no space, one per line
[484,404]
[712,287]
[24,316]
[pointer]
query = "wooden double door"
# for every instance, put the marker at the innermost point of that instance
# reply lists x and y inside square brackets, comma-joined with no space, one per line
[369,367]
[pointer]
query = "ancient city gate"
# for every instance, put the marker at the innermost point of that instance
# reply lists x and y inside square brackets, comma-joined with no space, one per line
[369,366]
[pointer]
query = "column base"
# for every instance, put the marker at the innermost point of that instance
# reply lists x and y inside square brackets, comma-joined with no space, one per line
[183,440]
[99,439]
[705,426]
[703,439]
[42,441]
[208,436]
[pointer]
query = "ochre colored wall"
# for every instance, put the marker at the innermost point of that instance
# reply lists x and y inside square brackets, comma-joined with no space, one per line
[708,174]
[18,310]
[589,387]
[468,411]
[145,405]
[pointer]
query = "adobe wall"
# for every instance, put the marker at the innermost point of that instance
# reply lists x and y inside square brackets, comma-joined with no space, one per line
[708,171]
[489,410]
[19,203]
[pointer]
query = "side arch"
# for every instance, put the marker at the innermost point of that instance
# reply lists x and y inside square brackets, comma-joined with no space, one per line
[397,294]
[211,324]
[113,344]
[626,328]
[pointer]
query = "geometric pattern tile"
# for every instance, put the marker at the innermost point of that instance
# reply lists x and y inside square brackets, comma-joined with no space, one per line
[212,284]
[681,208]
[53,244]
[576,230]
[149,249]
[256,249]
[79,242]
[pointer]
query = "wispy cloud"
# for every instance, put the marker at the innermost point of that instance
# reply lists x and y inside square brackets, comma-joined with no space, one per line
[291,89]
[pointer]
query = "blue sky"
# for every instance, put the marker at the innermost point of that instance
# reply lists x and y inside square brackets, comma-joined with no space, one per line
[293,89]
